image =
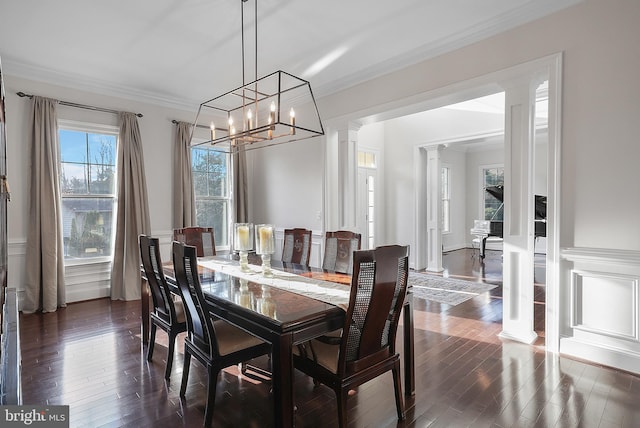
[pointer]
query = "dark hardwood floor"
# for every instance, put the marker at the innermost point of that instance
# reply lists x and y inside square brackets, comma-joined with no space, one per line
[89,356]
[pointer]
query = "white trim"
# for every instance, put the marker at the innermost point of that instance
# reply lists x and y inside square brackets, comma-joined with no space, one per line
[75,125]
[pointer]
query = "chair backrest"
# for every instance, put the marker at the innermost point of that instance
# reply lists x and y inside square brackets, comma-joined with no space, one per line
[338,250]
[200,237]
[297,246]
[378,289]
[199,323]
[160,291]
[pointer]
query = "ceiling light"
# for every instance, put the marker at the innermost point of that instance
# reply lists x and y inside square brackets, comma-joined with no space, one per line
[274,109]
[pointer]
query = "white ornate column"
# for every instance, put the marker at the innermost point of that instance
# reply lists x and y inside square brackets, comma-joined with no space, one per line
[348,174]
[518,253]
[434,209]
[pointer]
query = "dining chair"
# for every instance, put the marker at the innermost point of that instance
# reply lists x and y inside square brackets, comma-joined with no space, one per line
[365,346]
[338,250]
[168,311]
[215,343]
[297,246]
[200,237]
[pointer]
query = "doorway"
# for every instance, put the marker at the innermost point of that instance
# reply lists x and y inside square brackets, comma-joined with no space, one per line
[404,171]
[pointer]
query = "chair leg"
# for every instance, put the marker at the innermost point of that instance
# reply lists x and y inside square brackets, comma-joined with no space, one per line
[185,372]
[341,397]
[211,396]
[172,345]
[152,341]
[397,385]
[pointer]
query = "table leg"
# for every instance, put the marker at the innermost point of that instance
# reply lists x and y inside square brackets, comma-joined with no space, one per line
[144,298]
[484,247]
[282,381]
[409,360]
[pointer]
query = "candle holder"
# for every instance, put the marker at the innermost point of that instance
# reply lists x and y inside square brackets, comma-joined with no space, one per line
[265,246]
[243,242]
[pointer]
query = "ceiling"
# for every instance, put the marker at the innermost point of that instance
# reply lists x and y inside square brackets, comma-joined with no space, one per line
[181,52]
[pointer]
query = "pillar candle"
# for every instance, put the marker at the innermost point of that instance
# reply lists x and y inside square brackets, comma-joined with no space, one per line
[243,241]
[266,239]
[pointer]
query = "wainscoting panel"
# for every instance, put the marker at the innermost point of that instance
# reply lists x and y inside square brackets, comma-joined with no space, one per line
[601,302]
[594,296]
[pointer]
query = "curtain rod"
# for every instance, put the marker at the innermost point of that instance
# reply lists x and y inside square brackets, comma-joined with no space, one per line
[175,122]
[84,106]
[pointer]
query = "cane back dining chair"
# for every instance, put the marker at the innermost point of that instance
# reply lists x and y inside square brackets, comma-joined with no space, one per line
[365,346]
[214,342]
[168,311]
[297,246]
[200,237]
[338,250]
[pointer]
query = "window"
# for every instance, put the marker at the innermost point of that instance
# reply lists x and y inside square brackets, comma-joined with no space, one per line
[446,200]
[211,185]
[367,164]
[493,207]
[87,189]
[366,159]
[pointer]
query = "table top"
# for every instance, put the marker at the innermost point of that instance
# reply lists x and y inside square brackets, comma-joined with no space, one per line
[279,309]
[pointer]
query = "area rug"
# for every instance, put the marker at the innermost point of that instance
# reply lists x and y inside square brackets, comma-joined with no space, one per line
[445,290]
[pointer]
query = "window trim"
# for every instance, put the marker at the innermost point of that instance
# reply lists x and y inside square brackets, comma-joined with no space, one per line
[449,177]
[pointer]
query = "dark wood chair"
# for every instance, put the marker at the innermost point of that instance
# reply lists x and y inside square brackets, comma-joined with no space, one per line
[200,237]
[168,312]
[365,346]
[215,343]
[338,250]
[297,246]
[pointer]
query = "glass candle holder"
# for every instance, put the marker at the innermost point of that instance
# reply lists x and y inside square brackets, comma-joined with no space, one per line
[243,243]
[265,246]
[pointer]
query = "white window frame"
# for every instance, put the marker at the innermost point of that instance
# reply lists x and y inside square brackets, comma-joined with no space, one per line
[446,200]
[97,128]
[228,199]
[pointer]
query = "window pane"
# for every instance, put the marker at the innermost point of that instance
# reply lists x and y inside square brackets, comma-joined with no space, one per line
[87,227]
[73,146]
[73,178]
[200,185]
[493,207]
[101,149]
[213,213]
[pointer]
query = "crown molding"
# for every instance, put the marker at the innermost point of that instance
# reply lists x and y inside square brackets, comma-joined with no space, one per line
[87,84]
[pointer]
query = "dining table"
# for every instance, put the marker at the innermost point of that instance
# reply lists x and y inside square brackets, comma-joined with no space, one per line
[284,310]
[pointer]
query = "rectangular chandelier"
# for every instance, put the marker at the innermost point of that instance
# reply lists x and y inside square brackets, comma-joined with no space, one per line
[275,109]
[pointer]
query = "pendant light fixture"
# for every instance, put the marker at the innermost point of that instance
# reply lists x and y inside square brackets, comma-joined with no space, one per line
[274,109]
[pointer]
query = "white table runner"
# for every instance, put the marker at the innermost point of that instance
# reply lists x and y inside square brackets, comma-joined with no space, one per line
[325,291]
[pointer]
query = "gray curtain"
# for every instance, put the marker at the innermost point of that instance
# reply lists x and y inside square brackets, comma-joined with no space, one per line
[240,198]
[44,280]
[132,217]
[184,210]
